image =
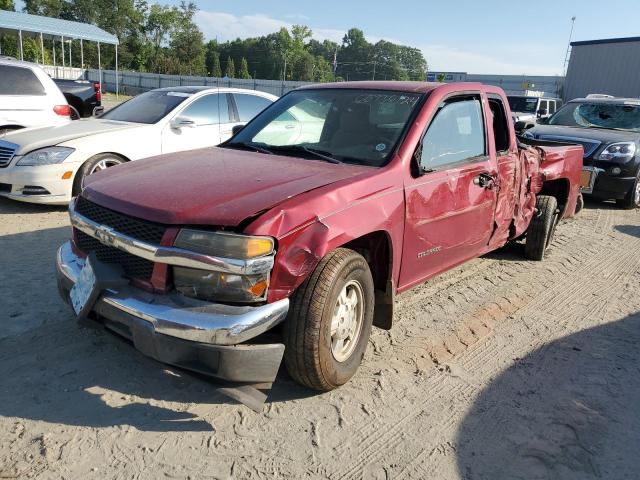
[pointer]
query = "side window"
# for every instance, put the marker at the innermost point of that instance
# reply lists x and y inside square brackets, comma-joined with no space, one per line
[455,134]
[205,110]
[500,125]
[552,106]
[543,106]
[249,105]
[19,81]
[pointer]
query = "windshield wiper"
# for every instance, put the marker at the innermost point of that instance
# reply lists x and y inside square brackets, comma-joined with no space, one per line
[247,146]
[327,156]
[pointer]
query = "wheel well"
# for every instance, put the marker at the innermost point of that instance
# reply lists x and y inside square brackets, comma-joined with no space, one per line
[557,188]
[377,250]
[78,177]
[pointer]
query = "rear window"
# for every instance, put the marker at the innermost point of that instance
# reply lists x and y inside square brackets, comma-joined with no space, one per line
[19,81]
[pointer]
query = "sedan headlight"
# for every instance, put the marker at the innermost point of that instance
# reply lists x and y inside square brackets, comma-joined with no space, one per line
[618,151]
[222,286]
[46,156]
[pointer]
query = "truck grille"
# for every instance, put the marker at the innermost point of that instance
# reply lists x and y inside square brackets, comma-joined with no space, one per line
[139,229]
[134,267]
[7,152]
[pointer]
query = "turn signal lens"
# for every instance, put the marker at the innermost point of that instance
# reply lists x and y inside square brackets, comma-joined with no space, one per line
[67,175]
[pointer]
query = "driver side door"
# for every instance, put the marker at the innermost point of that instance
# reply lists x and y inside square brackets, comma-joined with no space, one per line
[450,201]
[197,125]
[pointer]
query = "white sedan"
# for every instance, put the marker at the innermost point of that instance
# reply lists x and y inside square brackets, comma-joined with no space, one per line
[47,164]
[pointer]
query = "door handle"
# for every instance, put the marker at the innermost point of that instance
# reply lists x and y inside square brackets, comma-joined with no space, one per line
[484,180]
[290,127]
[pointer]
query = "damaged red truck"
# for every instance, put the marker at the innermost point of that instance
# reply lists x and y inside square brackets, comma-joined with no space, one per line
[293,238]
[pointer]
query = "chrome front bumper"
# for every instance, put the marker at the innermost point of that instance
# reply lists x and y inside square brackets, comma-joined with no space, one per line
[176,315]
[192,334]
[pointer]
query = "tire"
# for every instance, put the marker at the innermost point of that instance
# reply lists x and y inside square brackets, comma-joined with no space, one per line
[632,199]
[579,204]
[75,114]
[542,227]
[96,163]
[315,357]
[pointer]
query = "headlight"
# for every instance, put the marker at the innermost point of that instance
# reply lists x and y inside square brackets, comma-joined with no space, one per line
[528,134]
[220,286]
[225,245]
[46,156]
[618,151]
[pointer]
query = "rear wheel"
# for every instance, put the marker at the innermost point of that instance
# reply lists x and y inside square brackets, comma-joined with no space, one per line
[542,227]
[93,165]
[329,323]
[632,199]
[579,204]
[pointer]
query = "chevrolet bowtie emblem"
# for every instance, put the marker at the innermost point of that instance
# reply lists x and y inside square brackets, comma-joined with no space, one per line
[105,235]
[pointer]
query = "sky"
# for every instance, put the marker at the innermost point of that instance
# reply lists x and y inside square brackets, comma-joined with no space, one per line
[495,36]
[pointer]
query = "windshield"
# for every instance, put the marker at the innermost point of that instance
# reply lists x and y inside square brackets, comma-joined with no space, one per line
[148,107]
[600,115]
[523,104]
[339,125]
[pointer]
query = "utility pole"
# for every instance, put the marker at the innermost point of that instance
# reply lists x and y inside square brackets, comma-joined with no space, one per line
[374,71]
[566,56]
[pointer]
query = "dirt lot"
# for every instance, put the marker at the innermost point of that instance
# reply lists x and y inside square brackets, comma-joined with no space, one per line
[499,369]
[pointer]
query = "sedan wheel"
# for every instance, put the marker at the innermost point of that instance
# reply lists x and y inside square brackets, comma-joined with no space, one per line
[104,164]
[346,324]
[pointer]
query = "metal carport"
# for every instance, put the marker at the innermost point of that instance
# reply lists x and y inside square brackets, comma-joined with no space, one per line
[54,29]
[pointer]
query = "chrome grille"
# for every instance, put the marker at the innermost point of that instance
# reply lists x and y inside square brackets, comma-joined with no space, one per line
[139,229]
[7,152]
[590,146]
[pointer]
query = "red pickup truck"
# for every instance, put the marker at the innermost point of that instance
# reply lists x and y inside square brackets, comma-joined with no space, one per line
[293,238]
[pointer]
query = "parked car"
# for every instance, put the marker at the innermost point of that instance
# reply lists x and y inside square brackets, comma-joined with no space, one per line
[49,164]
[83,96]
[29,98]
[609,131]
[222,260]
[529,110]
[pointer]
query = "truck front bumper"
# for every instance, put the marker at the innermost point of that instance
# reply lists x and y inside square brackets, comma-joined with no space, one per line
[195,335]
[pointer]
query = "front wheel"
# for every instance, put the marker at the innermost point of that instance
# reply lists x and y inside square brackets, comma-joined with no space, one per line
[542,227]
[329,323]
[632,199]
[95,164]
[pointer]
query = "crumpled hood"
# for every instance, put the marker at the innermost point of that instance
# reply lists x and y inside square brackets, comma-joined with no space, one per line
[38,137]
[212,186]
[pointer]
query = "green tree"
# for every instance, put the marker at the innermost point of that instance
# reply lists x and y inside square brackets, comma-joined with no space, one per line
[213,59]
[243,71]
[161,20]
[187,41]
[230,69]
[7,5]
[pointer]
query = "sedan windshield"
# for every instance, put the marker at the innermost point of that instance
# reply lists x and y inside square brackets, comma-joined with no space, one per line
[623,116]
[523,104]
[148,107]
[335,125]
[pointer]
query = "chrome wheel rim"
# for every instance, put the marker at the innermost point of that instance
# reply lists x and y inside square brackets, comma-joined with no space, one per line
[637,193]
[104,164]
[347,320]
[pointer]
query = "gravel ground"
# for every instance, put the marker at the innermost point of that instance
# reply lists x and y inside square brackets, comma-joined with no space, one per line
[501,368]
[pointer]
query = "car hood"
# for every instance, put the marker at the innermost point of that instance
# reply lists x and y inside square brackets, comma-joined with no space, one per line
[212,186]
[38,137]
[600,135]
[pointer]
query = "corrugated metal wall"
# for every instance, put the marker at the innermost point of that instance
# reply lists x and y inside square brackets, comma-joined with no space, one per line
[610,68]
[551,86]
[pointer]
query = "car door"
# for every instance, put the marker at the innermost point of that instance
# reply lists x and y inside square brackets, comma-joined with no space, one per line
[196,125]
[450,199]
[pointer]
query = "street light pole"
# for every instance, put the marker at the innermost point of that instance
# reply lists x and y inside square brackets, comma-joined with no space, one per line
[566,56]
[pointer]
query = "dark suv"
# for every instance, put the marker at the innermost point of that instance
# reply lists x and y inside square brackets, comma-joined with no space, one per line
[609,131]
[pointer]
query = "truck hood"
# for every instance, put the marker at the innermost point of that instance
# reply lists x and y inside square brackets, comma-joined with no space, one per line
[38,137]
[212,186]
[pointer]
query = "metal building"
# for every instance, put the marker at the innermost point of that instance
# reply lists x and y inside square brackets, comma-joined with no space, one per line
[608,66]
[548,86]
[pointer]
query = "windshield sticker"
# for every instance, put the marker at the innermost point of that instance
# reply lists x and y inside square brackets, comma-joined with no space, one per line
[381,147]
[387,98]
[179,94]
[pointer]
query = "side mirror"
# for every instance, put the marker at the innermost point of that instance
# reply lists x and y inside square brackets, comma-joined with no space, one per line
[542,112]
[98,111]
[236,129]
[182,122]
[543,121]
